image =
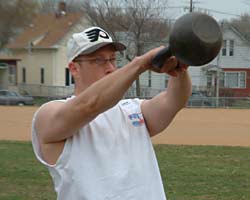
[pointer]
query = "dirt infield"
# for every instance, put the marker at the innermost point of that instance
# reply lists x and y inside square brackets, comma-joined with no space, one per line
[191,126]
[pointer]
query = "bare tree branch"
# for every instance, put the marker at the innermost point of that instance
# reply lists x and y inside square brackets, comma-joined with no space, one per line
[140,22]
[14,15]
[49,6]
[243,25]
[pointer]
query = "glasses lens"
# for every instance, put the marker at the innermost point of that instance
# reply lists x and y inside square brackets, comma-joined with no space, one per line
[98,61]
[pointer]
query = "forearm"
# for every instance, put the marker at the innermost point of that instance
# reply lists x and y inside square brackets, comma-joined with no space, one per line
[97,98]
[106,92]
[65,119]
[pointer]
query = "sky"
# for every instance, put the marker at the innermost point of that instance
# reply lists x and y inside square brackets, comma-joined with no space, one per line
[228,8]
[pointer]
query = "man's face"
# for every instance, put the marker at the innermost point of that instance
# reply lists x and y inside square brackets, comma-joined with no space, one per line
[95,66]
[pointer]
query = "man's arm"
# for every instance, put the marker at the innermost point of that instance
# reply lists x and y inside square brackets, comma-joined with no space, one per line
[57,121]
[160,110]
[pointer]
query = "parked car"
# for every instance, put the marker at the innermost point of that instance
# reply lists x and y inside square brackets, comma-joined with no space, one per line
[199,99]
[8,97]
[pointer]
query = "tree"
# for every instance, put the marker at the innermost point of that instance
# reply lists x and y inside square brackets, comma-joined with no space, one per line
[142,23]
[242,24]
[14,15]
[50,6]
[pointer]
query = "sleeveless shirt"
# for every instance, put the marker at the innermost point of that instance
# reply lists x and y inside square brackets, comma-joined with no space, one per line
[110,158]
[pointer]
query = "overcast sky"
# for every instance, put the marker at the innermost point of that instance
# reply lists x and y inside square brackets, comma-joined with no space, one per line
[228,8]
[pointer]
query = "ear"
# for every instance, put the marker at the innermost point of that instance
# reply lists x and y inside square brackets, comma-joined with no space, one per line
[74,69]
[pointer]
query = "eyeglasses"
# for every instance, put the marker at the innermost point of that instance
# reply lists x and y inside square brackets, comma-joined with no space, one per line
[98,61]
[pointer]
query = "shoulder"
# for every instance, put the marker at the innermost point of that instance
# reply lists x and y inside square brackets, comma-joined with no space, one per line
[131,107]
[49,107]
[130,103]
[47,110]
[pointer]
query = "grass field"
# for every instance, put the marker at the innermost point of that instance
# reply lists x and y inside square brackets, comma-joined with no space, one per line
[188,172]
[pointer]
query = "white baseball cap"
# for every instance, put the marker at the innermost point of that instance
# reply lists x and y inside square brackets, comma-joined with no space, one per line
[89,41]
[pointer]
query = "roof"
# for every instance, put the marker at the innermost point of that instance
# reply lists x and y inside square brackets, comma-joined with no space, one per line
[212,67]
[8,58]
[243,37]
[45,31]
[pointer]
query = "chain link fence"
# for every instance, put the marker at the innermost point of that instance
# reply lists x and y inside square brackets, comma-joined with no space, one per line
[197,99]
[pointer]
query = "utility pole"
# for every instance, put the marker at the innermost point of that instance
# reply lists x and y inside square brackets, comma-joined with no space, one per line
[191,6]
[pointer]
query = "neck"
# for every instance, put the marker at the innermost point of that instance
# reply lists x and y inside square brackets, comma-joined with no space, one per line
[79,89]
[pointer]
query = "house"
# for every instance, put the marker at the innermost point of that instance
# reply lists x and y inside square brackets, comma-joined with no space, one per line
[151,83]
[41,51]
[229,73]
[39,57]
[8,72]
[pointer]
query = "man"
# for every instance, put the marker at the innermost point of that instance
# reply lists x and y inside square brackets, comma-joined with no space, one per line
[95,145]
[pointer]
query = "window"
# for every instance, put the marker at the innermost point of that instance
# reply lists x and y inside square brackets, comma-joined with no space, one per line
[235,79]
[42,75]
[12,94]
[69,80]
[242,79]
[66,77]
[166,81]
[149,79]
[227,48]
[224,48]
[3,93]
[24,75]
[12,75]
[222,80]
[231,47]
[209,79]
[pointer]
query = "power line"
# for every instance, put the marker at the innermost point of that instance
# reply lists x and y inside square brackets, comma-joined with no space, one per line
[219,12]
[192,7]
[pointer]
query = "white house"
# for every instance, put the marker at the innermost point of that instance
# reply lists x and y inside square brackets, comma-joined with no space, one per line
[41,49]
[229,73]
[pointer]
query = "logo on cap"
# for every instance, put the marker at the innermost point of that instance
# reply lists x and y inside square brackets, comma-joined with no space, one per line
[94,34]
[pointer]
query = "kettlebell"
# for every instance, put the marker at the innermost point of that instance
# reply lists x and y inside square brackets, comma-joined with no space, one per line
[195,40]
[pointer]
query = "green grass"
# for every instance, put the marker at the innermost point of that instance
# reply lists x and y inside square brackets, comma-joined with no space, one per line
[205,172]
[188,172]
[38,101]
[22,177]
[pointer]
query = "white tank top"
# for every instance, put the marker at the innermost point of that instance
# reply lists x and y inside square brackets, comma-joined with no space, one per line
[111,158]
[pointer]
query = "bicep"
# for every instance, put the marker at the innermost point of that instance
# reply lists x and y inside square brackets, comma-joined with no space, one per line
[48,124]
[157,113]
[58,121]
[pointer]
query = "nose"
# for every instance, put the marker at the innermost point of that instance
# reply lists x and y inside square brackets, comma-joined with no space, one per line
[109,68]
